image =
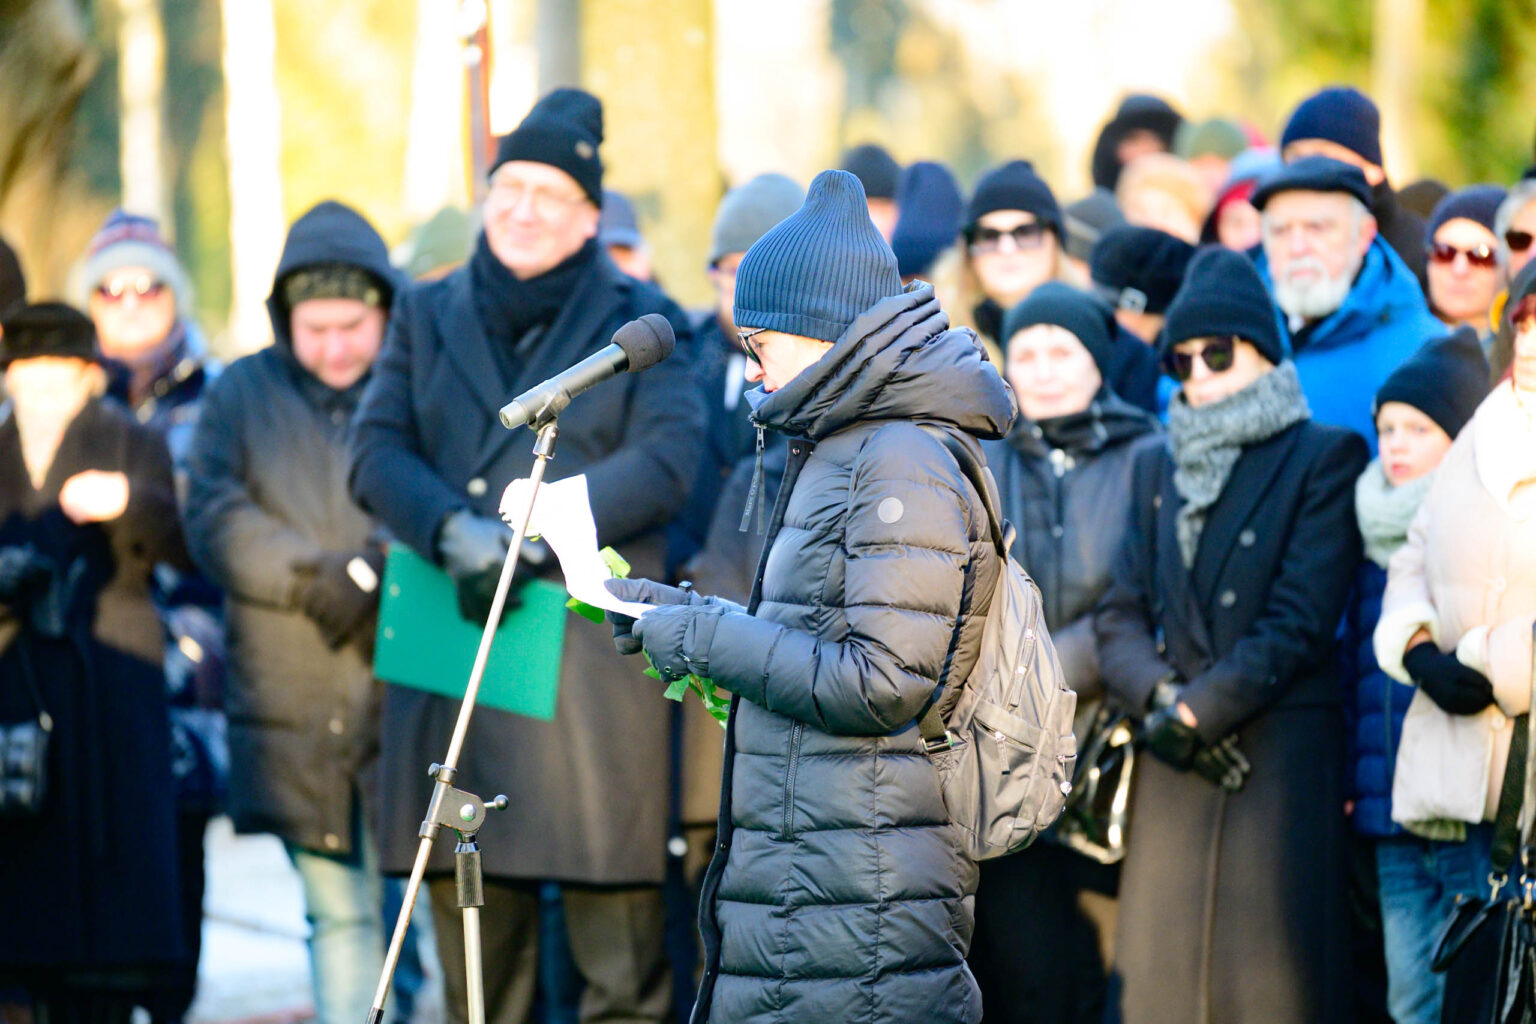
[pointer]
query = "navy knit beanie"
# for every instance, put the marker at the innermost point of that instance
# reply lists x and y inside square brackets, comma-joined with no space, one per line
[1015,186]
[1061,305]
[876,170]
[818,269]
[1446,380]
[1478,203]
[563,130]
[1139,269]
[1223,295]
[929,222]
[1338,114]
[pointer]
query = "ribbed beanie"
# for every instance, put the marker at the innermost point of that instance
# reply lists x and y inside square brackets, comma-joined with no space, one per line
[1223,295]
[1341,115]
[1446,380]
[815,272]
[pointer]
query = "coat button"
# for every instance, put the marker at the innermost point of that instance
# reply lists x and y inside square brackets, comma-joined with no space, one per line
[476,487]
[332,841]
[1228,598]
[1157,501]
[337,726]
[1058,531]
[1247,538]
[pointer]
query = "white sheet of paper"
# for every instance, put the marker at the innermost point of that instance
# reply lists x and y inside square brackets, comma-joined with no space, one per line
[563,517]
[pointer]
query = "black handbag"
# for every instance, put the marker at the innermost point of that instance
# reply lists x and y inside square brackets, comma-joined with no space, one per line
[24,752]
[1098,810]
[1487,949]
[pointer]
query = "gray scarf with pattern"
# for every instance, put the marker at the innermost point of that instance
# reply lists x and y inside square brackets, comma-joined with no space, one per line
[1208,441]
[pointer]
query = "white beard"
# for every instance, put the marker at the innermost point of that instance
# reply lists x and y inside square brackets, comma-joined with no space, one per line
[1321,297]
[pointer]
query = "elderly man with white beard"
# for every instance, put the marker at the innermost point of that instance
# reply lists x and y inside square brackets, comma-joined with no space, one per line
[1350,308]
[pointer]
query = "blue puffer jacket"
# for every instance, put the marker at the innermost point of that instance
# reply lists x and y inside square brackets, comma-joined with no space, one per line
[1350,354]
[1379,705]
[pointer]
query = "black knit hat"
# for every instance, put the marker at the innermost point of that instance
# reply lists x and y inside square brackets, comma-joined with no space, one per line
[564,130]
[1015,186]
[1061,305]
[1223,295]
[13,286]
[1477,203]
[47,329]
[1139,269]
[1313,174]
[876,170]
[1340,115]
[819,268]
[1446,380]
[929,222]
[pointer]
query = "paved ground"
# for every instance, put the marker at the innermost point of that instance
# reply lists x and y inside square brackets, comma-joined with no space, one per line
[255,967]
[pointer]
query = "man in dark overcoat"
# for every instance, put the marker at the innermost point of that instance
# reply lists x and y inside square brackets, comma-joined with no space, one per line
[588,789]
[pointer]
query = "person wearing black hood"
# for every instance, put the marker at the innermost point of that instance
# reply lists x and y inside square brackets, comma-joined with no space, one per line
[1343,124]
[589,789]
[13,284]
[838,889]
[1064,477]
[269,521]
[1142,124]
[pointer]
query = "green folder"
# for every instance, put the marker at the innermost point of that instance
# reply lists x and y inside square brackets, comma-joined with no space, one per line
[425,644]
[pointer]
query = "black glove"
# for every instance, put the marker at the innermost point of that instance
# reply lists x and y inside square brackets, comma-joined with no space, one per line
[1458,690]
[23,572]
[1170,739]
[340,597]
[678,637]
[644,592]
[1223,765]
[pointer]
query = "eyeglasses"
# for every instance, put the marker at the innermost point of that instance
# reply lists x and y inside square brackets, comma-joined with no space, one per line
[1477,256]
[1518,241]
[1025,237]
[1216,354]
[509,194]
[142,288]
[745,337]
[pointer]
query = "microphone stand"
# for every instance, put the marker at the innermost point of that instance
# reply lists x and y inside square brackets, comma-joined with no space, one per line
[456,809]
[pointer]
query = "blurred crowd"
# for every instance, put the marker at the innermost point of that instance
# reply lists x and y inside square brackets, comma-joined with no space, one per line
[1273,469]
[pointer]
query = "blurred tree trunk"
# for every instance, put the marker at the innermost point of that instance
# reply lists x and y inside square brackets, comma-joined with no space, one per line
[256,224]
[653,67]
[1397,48]
[141,96]
[435,173]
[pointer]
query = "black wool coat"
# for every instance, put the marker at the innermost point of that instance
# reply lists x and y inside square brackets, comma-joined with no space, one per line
[1215,883]
[588,790]
[839,890]
[268,490]
[91,884]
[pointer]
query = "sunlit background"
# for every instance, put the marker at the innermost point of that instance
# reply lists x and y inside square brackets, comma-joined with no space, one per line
[227,119]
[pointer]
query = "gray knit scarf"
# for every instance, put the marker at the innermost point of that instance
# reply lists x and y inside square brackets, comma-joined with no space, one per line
[1384,511]
[1208,441]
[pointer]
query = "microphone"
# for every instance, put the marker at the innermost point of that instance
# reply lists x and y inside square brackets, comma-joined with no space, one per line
[638,345]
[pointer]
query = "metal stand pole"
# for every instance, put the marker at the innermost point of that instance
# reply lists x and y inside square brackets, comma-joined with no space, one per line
[459,810]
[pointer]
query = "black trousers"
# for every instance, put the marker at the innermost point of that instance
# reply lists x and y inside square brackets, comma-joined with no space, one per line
[1036,954]
[616,937]
[170,1003]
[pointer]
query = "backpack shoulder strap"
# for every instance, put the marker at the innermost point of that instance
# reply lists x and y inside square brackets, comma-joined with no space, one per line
[981,479]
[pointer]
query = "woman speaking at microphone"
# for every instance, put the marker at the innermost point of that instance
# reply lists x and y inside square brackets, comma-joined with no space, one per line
[838,890]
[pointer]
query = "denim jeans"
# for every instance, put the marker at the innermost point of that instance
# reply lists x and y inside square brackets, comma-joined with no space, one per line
[344,903]
[1420,880]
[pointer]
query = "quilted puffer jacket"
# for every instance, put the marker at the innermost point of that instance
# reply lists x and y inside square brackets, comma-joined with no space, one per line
[838,891]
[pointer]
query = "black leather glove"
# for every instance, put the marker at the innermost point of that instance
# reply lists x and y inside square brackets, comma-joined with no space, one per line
[339,591]
[1170,739]
[678,637]
[1223,764]
[645,592]
[1458,690]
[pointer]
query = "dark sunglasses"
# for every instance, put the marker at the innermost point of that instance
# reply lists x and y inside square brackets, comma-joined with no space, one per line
[143,288]
[1477,256]
[1216,355]
[1025,236]
[1518,241]
[745,337]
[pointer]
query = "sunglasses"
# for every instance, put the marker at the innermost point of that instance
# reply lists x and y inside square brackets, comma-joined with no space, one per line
[1216,355]
[745,337]
[1025,237]
[1518,241]
[1477,256]
[142,288]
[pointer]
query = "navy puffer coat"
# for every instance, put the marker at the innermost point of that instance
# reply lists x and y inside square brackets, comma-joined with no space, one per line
[839,891]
